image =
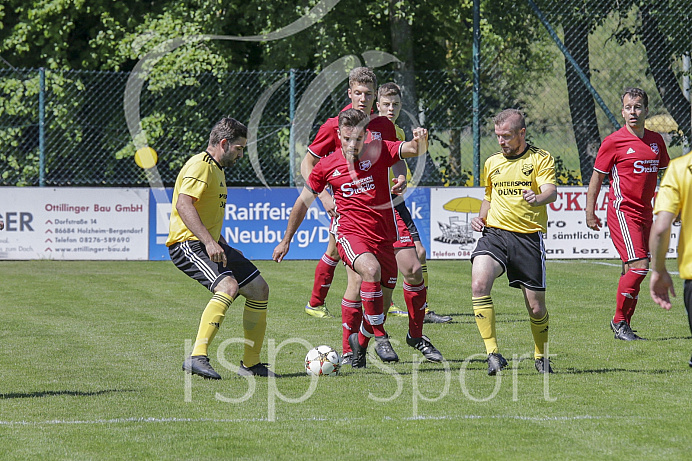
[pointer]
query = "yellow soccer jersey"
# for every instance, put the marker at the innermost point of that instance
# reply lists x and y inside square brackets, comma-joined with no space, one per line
[400,136]
[674,195]
[201,177]
[505,179]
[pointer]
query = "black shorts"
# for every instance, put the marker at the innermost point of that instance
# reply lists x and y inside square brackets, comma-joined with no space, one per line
[191,257]
[522,256]
[405,215]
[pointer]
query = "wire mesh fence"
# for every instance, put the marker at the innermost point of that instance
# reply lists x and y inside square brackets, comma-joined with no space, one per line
[78,135]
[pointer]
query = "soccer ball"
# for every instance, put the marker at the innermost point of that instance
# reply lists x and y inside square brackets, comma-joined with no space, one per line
[322,361]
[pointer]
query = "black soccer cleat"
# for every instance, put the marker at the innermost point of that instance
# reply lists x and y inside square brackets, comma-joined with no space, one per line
[199,365]
[496,363]
[432,317]
[346,358]
[259,369]
[385,350]
[543,365]
[425,347]
[358,357]
[623,331]
[690,362]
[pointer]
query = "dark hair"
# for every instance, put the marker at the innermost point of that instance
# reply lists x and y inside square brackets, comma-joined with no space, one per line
[352,118]
[388,89]
[227,128]
[363,75]
[635,93]
[514,115]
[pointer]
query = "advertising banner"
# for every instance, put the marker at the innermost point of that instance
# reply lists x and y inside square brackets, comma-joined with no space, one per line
[256,219]
[74,223]
[567,236]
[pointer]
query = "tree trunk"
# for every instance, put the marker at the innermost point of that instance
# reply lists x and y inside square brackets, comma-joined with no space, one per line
[581,103]
[402,48]
[660,63]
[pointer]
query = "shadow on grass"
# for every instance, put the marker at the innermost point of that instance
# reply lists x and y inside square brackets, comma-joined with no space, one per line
[669,339]
[574,371]
[28,395]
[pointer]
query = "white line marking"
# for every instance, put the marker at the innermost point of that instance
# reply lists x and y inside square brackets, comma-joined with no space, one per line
[56,422]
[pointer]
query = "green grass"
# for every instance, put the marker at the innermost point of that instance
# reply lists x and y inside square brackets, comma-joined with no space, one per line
[92,351]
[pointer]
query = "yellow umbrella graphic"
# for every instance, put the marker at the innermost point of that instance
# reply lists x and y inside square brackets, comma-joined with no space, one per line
[463,205]
[453,232]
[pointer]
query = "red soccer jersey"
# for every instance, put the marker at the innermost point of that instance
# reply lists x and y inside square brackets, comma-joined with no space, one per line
[633,165]
[327,139]
[361,191]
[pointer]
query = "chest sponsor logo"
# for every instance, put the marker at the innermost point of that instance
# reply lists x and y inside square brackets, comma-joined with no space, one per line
[630,151]
[358,186]
[365,165]
[654,147]
[527,169]
[646,166]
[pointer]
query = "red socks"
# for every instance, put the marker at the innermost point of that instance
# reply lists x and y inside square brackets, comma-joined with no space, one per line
[351,315]
[373,312]
[628,294]
[324,274]
[415,296]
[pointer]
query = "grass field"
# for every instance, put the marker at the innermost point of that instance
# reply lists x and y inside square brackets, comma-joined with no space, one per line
[92,354]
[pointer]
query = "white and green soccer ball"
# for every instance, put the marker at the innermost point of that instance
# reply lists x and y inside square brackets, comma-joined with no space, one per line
[322,361]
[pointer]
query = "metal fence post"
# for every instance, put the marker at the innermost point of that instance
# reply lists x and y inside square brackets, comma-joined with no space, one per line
[686,91]
[291,138]
[476,91]
[42,126]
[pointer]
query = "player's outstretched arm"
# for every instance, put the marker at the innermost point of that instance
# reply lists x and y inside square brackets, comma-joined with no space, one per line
[593,221]
[300,208]
[548,194]
[478,223]
[417,146]
[660,283]
[185,206]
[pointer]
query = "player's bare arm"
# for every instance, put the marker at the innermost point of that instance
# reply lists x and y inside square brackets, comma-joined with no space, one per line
[417,146]
[399,179]
[298,212]
[593,221]
[547,195]
[660,282]
[306,167]
[478,223]
[190,217]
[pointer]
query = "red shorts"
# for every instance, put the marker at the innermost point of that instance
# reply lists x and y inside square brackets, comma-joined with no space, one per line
[630,235]
[405,240]
[350,247]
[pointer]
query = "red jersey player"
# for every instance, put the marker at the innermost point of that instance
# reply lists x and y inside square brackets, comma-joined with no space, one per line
[361,91]
[365,225]
[632,156]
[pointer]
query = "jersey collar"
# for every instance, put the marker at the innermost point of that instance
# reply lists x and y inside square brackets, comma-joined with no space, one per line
[212,157]
[519,155]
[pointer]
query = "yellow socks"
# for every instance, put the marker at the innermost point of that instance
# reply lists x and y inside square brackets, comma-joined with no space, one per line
[212,317]
[254,324]
[484,312]
[424,269]
[539,329]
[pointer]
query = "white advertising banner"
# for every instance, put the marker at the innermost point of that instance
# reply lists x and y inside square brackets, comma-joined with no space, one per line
[451,236]
[74,223]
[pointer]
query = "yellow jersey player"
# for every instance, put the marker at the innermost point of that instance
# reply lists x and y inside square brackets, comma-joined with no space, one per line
[389,105]
[197,248]
[519,183]
[673,200]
